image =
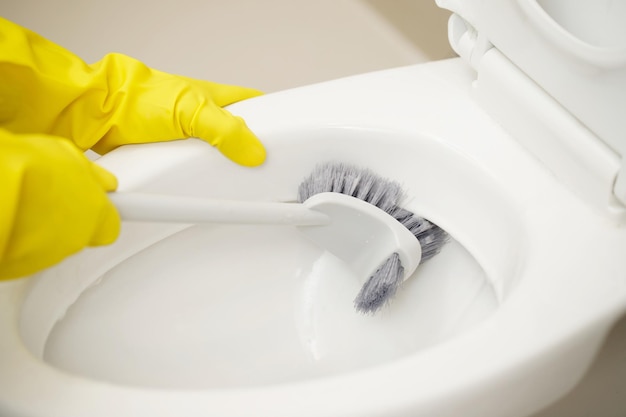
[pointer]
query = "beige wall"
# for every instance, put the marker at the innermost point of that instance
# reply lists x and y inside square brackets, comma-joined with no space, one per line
[268,44]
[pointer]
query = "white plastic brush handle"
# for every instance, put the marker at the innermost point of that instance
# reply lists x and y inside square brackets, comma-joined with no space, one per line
[353,230]
[176,209]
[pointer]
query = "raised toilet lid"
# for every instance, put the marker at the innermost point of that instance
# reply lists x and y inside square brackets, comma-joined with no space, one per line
[575,53]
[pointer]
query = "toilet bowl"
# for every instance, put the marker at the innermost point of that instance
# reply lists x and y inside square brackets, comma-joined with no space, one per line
[200,320]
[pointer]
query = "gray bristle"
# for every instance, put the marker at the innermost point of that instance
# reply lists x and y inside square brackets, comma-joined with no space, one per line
[431,237]
[347,179]
[386,195]
[381,286]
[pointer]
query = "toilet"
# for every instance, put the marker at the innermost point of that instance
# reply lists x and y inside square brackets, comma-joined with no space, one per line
[515,148]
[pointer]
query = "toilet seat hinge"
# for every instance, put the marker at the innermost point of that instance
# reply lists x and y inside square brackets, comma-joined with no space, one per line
[465,40]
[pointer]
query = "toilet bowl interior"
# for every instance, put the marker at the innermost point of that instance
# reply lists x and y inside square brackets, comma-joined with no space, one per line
[183,306]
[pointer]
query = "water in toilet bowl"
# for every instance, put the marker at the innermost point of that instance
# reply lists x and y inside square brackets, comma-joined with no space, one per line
[278,314]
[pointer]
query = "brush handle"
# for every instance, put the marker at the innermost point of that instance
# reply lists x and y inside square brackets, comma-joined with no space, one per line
[175,209]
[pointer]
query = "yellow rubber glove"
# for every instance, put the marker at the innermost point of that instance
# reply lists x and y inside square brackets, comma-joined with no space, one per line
[44,88]
[53,203]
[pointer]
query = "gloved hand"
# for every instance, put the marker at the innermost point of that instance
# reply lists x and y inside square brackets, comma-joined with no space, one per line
[54,203]
[116,101]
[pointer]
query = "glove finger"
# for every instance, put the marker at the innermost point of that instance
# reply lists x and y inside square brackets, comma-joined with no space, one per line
[230,135]
[224,94]
[232,94]
[109,226]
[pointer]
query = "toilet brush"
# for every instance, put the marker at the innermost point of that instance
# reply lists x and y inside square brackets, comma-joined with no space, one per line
[352,213]
[386,195]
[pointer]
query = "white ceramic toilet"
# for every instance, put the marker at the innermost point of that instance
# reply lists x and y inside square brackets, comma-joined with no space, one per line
[515,149]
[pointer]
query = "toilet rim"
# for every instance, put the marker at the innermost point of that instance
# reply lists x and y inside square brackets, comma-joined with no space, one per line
[473,368]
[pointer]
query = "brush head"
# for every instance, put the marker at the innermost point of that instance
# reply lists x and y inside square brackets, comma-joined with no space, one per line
[386,195]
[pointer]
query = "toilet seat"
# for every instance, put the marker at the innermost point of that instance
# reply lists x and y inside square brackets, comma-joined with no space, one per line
[524,356]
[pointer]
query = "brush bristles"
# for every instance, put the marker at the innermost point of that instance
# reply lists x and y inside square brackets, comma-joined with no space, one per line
[431,237]
[381,286]
[386,195]
[346,179]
